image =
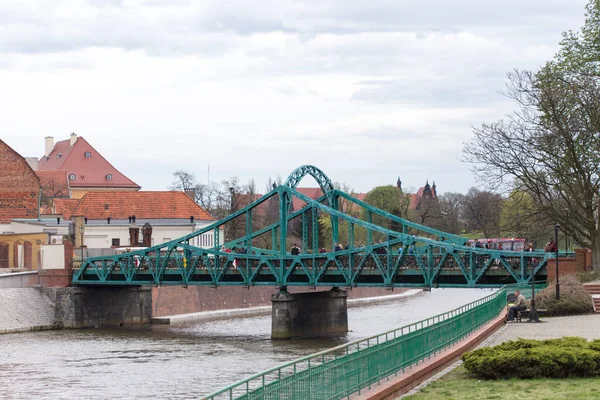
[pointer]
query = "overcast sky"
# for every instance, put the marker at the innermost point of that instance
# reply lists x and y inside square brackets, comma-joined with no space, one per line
[366,90]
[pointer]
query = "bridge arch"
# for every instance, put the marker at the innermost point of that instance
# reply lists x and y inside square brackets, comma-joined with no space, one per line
[323,180]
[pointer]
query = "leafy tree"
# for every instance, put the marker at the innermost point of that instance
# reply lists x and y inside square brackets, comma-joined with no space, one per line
[387,198]
[548,147]
[519,218]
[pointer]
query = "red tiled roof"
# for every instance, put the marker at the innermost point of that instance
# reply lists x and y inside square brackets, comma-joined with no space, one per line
[89,172]
[144,205]
[54,183]
[64,207]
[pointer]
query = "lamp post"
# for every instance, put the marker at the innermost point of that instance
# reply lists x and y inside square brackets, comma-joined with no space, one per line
[556,228]
[533,315]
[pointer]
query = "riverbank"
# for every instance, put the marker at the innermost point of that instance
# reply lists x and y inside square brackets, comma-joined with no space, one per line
[25,309]
[36,309]
[265,310]
[456,383]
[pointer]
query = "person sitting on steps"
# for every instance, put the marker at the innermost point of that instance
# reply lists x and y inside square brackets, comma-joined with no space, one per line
[520,305]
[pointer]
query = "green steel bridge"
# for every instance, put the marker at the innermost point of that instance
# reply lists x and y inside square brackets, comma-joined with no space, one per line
[392,251]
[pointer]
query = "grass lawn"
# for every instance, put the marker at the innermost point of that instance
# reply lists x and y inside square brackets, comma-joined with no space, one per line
[459,385]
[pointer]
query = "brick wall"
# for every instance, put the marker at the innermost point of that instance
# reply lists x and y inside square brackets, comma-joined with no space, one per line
[19,186]
[170,300]
[569,266]
[56,278]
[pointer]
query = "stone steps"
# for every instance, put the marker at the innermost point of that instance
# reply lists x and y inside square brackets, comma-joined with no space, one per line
[25,309]
[594,290]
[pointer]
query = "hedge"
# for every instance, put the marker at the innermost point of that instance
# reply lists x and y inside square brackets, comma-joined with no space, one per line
[554,358]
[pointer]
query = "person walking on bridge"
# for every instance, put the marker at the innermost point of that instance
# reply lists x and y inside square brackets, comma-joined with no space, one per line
[550,246]
[295,250]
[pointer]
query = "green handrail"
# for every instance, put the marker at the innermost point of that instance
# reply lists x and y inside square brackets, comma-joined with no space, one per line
[341,371]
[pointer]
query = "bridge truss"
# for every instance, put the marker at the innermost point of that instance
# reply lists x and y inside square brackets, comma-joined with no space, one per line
[406,255]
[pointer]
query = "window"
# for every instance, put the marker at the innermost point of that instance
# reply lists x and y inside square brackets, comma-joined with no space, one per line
[72,177]
[88,154]
[59,155]
[109,177]
[116,242]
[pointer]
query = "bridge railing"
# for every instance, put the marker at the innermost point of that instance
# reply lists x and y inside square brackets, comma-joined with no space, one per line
[341,371]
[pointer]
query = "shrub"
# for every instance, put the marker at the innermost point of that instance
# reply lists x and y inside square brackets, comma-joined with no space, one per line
[588,276]
[573,298]
[554,358]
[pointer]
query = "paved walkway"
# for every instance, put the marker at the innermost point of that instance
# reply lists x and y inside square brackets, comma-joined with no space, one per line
[586,326]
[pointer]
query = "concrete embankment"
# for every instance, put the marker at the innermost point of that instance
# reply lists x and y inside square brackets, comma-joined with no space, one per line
[25,309]
[265,310]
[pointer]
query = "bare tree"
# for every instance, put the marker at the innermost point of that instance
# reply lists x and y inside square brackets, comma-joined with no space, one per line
[482,211]
[428,212]
[183,180]
[548,147]
[52,189]
[451,212]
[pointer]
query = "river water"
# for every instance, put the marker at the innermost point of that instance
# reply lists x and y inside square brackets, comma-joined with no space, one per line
[184,361]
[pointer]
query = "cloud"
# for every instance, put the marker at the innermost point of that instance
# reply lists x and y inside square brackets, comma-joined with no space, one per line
[365,90]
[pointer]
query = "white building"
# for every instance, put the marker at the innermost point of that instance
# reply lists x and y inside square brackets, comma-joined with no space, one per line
[116,219]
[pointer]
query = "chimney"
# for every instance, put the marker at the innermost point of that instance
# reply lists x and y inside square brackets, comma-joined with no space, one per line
[147,235]
[49,146]
[191,219]
[191,193]
[73,138]
[134,235]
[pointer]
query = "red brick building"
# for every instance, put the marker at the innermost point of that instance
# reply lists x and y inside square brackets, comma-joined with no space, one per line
[19,186]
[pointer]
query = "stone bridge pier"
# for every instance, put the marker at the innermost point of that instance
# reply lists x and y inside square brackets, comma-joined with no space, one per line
[87,307]
[309,314]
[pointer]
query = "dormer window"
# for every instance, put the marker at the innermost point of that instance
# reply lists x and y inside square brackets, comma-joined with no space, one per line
[88,154]
[59,155]
[109,177]
[72,177]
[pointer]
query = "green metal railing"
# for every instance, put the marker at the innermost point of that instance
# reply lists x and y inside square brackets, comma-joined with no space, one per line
[341,371]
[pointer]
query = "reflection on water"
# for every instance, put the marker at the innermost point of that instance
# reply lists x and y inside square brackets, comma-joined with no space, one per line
[182,361]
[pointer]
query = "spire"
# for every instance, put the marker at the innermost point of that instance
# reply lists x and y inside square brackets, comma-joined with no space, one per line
[427,190]
[399,183]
